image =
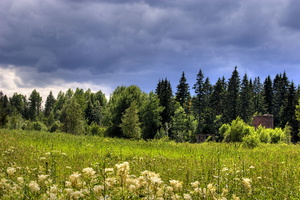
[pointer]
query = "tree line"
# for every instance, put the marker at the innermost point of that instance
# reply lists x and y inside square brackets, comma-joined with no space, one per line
[178,115]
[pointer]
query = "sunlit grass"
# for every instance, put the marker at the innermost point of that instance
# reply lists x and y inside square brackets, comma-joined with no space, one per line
[266,172]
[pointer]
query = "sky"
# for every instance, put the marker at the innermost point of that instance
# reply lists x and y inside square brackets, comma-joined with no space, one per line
[101,44]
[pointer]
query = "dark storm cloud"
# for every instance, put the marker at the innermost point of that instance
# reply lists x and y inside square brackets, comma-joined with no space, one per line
[95,40]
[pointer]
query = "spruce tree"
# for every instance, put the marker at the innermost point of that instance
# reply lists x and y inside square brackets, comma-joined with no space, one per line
[49,105]
[35,103]
[165,95]
[268,95]
[198,102]
[232,97]
[217,99]
[246,100]
[288,112]
[280,85]
[258,100]
[4,110]
[183,93]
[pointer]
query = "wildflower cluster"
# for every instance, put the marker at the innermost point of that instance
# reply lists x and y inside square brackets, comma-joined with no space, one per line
[109,183]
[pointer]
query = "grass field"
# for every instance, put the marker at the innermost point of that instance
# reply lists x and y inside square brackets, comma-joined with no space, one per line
[38,165]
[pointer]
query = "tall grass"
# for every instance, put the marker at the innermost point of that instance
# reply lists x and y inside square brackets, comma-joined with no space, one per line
[227,170]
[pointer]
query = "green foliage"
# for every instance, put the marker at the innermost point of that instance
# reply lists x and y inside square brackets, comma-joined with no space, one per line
[165,95]
[239,131]
[130,123]
[236,131]
[72,118]
[150,116]
[183,93]
[232,102]
[251,140]
[34,126]
[121,100]
[95,129]
[183,125]
[35,103]
[51,160]
[264,134]
[15,121]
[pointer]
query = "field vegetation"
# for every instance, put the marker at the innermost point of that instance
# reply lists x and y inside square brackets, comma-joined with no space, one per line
[43,165]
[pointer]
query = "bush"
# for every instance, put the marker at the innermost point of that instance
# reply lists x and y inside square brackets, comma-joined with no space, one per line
[54,127]
[263,134]
[277,135]
[95,129]
[37,126]
[236,131]
[251,140]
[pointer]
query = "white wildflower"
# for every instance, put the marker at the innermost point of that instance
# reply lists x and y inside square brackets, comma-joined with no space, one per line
[77,195]
[11,170]
[195,184]
[20,180]
[88,172]
[177,185]
[187,197]
[34,186]
[42,178]
[98,189]
[108,170]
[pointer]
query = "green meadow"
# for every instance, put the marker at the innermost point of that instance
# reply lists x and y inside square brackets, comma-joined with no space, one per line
[41,165]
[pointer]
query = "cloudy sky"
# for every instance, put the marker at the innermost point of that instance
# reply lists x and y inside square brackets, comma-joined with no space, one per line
[101,44]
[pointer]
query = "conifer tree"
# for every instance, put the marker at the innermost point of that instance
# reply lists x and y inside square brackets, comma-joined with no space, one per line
[280,85]
[288,112]
[4,110]
[258,100]
[198,102]
[268,95]
[232,97]
[246,100]
[35,103]
[165,95]
[217,99]
[49,105]
[183,93]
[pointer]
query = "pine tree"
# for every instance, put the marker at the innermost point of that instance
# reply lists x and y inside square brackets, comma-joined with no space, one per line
[288,112]
[280,85]
[217,99]
[4,110]
[35,103]
[268,95]
[232,97]
[246,100]
[165,95]
[198,102]
[183,93]
[130,123]
[49,105]
[258,96]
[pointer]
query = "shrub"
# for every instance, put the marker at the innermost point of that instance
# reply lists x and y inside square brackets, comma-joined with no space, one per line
[251,140]
[95,129]
[236,131]
[263,134]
